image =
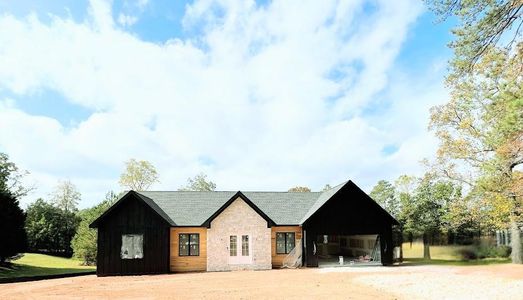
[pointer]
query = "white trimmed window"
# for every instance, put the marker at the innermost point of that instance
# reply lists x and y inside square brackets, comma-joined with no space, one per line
[132,246]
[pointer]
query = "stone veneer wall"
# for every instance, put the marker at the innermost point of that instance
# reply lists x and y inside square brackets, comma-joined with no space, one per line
[238,218]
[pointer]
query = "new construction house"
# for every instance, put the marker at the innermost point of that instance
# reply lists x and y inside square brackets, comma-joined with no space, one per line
[160,232]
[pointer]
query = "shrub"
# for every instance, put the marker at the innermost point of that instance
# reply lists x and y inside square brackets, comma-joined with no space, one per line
[466,254]
[484,251]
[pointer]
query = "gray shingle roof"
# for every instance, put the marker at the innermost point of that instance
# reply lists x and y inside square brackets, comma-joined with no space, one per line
[193,208]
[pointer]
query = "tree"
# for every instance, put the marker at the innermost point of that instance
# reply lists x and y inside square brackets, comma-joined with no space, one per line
[482,26]
[11,177]
[300,189]
[84,243]
[384,194]
[138,175]
[49,228]
[430,207]
[199,183]
[66,196]
[481,127]
[481,134]
[12,233]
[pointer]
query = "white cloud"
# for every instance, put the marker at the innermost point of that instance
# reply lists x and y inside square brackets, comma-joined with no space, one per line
[127,20]
[264,98]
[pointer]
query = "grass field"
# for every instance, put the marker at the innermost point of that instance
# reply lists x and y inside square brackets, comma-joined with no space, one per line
[443,255]
[32,264]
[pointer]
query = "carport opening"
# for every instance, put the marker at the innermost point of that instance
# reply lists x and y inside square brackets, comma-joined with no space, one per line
[348,250]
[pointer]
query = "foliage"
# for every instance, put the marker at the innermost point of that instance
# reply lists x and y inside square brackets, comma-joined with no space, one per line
[84,242]
[198,183]
[481,127]
[481,134]
[33,264]
[482,25]
[49,228]
[138,175]
[12,233]
[384,193]
[300,189]
[66,196]
[11,177]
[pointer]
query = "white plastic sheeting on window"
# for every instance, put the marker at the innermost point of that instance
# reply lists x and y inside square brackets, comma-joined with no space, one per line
[132,246]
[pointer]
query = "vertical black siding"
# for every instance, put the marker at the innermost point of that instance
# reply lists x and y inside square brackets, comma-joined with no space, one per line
[133,217]
[349,212]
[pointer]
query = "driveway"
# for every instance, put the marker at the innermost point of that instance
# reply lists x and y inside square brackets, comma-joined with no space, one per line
[404,282]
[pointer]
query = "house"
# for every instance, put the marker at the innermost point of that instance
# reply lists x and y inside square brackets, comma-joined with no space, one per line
[155,232]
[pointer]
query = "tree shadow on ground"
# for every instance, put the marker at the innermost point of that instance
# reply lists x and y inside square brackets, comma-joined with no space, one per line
[18,270]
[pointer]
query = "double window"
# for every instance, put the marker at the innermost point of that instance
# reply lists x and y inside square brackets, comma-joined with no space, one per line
[132,246]
[189,244]
[233,245]
[285,242]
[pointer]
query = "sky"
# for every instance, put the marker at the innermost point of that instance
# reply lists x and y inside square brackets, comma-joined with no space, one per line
[258,95]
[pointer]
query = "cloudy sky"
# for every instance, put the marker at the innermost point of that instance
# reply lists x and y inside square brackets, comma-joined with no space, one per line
[258,95]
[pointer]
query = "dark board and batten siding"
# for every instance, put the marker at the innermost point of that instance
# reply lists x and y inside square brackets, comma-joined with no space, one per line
[133,216]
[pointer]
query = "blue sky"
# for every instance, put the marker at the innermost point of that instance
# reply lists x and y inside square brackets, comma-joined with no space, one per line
[258,95]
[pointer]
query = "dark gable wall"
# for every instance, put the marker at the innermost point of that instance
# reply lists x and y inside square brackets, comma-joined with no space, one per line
[133,216]
[350,212]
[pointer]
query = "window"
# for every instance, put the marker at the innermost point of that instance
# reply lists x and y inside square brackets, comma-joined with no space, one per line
[371,243]
[232,248]
[245,245]
[285,242]
[189,244]
[132,246]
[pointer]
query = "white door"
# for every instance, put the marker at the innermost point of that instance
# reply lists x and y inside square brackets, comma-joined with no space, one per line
[240,250]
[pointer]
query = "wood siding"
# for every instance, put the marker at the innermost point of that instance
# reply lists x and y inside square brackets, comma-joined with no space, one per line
[133,216]
[277,259]
[188,263]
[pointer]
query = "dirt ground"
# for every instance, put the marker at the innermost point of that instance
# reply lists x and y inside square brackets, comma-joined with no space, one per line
[403,282]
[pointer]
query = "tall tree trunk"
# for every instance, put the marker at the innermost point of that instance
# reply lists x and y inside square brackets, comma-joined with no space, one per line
[426,246]
[515,242]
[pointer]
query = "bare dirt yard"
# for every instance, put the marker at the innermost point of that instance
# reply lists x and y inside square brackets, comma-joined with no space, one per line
[401,282]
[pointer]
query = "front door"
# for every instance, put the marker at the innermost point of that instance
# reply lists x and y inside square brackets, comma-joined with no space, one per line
[240,250]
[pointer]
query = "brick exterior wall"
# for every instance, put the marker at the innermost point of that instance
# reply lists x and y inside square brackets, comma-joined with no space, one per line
[239,218]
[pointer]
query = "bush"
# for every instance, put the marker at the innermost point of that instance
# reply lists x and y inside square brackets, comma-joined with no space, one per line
[466,254]
[493,252]
[484,251]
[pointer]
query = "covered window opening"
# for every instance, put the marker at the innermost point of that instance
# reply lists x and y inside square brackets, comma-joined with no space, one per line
[132,246]
[285,242]
[189,244]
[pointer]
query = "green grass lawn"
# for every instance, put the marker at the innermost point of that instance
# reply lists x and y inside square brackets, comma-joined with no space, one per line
[32,264]
[443,255]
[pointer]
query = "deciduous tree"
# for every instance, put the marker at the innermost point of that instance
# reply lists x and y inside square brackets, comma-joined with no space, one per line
[84,242]
[198,183]
[66,196]
[11,178]
[481,127]
[138,175]
[300,189]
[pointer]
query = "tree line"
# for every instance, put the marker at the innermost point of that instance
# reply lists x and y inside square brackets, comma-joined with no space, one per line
[55,225]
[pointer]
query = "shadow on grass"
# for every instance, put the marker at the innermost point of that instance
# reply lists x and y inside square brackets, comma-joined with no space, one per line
[19,270]
[453,262]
